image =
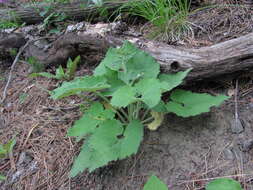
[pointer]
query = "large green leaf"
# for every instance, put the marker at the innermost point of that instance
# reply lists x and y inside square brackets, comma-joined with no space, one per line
[116,58]
[101,70]
[83,160]
[130,62]
[185,103]
[141,65]
[114,82]
[103,142]
[154,183]
[123,96]
[150,91]
[100,148]
[90,84]
[95,115]
[173,80]
[131,139]
[224,184]
[160,107]
[108,142]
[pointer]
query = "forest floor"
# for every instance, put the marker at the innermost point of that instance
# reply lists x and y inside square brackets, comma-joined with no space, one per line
[184,153]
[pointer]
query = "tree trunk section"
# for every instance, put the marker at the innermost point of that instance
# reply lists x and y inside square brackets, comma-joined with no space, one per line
[73,11]
[207,62]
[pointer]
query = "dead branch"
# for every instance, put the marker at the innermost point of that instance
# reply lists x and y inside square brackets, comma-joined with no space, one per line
[206,62]
[72,11]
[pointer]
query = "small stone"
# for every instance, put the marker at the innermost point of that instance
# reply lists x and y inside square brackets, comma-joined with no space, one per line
[76,27]
[228,153]
[245,145]
[237,126]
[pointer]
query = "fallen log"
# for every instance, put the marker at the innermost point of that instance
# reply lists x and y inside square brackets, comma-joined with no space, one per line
[206,62]
[73,11]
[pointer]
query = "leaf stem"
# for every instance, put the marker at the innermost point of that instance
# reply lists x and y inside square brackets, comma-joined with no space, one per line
[124,113]
[137,110]
[147,120]
[145,114]
[131,112]
[115,110]
[85,98]
[128,111]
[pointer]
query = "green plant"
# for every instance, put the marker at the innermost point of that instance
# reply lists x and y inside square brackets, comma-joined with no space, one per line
[169,17]
[130,86]
[14,21]
[154,183]
[5,150]
[4,24]
[22,97]
[35,65]
[223,184]
[60,74]
[52,19]
[13,52]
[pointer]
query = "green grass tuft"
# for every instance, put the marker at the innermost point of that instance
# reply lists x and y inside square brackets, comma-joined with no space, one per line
[169,17]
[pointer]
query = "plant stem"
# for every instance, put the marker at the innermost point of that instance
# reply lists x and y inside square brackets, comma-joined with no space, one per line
[115,110]
[124,113]
[137,110]
[131,112]
[145,114]
[147,120]
[85,98]
[128,111]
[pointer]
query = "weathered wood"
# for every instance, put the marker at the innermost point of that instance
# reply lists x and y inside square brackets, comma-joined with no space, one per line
[206,62]
[73,11]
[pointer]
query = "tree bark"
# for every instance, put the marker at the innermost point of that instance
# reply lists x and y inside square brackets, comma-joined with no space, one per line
[206,62]
[73,11]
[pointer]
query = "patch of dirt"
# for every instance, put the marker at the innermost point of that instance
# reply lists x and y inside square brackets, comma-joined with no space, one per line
[39,124]
[186,154]
[220,23]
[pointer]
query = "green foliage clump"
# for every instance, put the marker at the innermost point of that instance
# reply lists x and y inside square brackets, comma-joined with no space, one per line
[224,184]
[35,65]
[8,24]
[14,23]
[129,86]
[5,150]
[169,17]
[60,74]
[154,183]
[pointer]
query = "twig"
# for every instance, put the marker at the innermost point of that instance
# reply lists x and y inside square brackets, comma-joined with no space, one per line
[236,101]
[212,178]
[14,64]
[12,69]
